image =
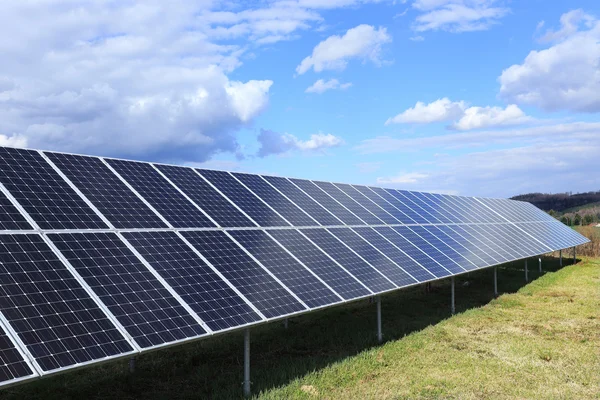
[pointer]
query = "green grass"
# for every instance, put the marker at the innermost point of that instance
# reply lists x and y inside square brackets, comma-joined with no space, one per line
[579,208]
[535,341]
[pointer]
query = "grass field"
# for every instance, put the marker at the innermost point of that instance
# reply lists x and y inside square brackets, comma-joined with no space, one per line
[535,341]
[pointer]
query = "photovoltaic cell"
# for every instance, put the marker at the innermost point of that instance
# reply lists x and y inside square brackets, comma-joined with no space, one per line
[349,203]
[303,201]
[398,215]
[373,256]
[480,212]
[285,267]
[52,314]
[272,197]
[369,276]
[413,251]
[457,208]
[462,246]
[431,205]
[467,232]
[157,191]
[419,206]
[145,308]
[319,263]
[503,245]
[260,288]
[106,191]
[12,364]
[206,197]
[445,248]
[366,202]
[326,201]
[401,203]
[10,217]
[401,258]
[533,246]
[553,234]
[215,302]
[236,192]
[440,203]
[46,197]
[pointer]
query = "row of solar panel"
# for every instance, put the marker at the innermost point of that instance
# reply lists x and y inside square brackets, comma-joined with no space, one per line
[136,195]
[68,299]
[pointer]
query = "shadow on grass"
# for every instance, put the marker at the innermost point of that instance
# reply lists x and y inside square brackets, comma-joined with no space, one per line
[213,368]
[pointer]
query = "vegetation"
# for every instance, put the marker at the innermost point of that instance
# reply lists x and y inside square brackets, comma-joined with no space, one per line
[561,202]
[534,341]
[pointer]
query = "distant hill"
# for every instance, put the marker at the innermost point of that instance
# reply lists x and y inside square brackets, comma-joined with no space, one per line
[561,202]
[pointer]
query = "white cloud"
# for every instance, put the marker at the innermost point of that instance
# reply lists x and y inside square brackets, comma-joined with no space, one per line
[417,38]
[403,179]
[368,167]
[321,86]
[457,15]
[436,111]
[483,117]
[564,76]
[363,42]
[280,143]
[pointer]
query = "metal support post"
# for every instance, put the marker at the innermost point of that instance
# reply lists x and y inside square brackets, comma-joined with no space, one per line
[495,281]
[285,323]
[540,264]
[247,363]
[526,276]
[453,309]
[560,256]
[379,334]
[132,364]
[574,256]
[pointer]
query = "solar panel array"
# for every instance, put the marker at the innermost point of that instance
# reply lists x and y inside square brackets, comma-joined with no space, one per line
[103,258]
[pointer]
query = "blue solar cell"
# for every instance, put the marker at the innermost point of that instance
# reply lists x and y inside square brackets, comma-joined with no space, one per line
[328,202]
[161,195]
[457,208]
[507,247]
[417,254]
[314,259]
[349,203]
[446,248]
[286,268]
[363,271]
[106,191]
[394,253]
[372,255]
[532,245]
[423,207]
[398,216]
[44,195]
[479,211]
[50,311]
[443,207]
[474,253]
[303,201]
[145,308]
[260,288]
[10,217]
[272,197]
[553,234]
[467,232]
[206,197]
[215,302]
[237,193]
[409,208]
[13,367]
[369,205]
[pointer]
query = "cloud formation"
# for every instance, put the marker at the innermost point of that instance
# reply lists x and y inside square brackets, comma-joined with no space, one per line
[484,117]
[457,15]
[437,111]
[321,86]
[272,143]
[363,42]
[564,76]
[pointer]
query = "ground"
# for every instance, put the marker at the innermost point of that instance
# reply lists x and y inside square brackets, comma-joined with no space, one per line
[537,340]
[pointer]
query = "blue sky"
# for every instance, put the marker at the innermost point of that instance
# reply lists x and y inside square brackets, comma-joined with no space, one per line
[476,97]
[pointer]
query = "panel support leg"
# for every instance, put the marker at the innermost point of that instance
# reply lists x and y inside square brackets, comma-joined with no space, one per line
[132,364]
[452,308]
[379,334]
[247,363]
[574,256]
[285,323]
[526,272]
[495,281]
[560,257]
[540,264]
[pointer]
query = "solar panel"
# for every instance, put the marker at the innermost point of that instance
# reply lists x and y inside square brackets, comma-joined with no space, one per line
[535,213]
[327,201]
[361,269]
[161,195]
[215,302]
[458,244]
[243,198]
[145,308]
[13,367]
[263,291]
[314,259]
[480,211]
[422,207]
[10,217]
[552,234]
[303,201]
[372,255]
[455,256]
[408,264]
[272,197]
[206,197]
[106,191]
[467,232]
[46,197]
[312,291]
[455,207]
[443,208]
[503,245]
[399,216]
[534,247]
[420,256]
[349,203]
[402,204]
[52,314]
[366,202]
